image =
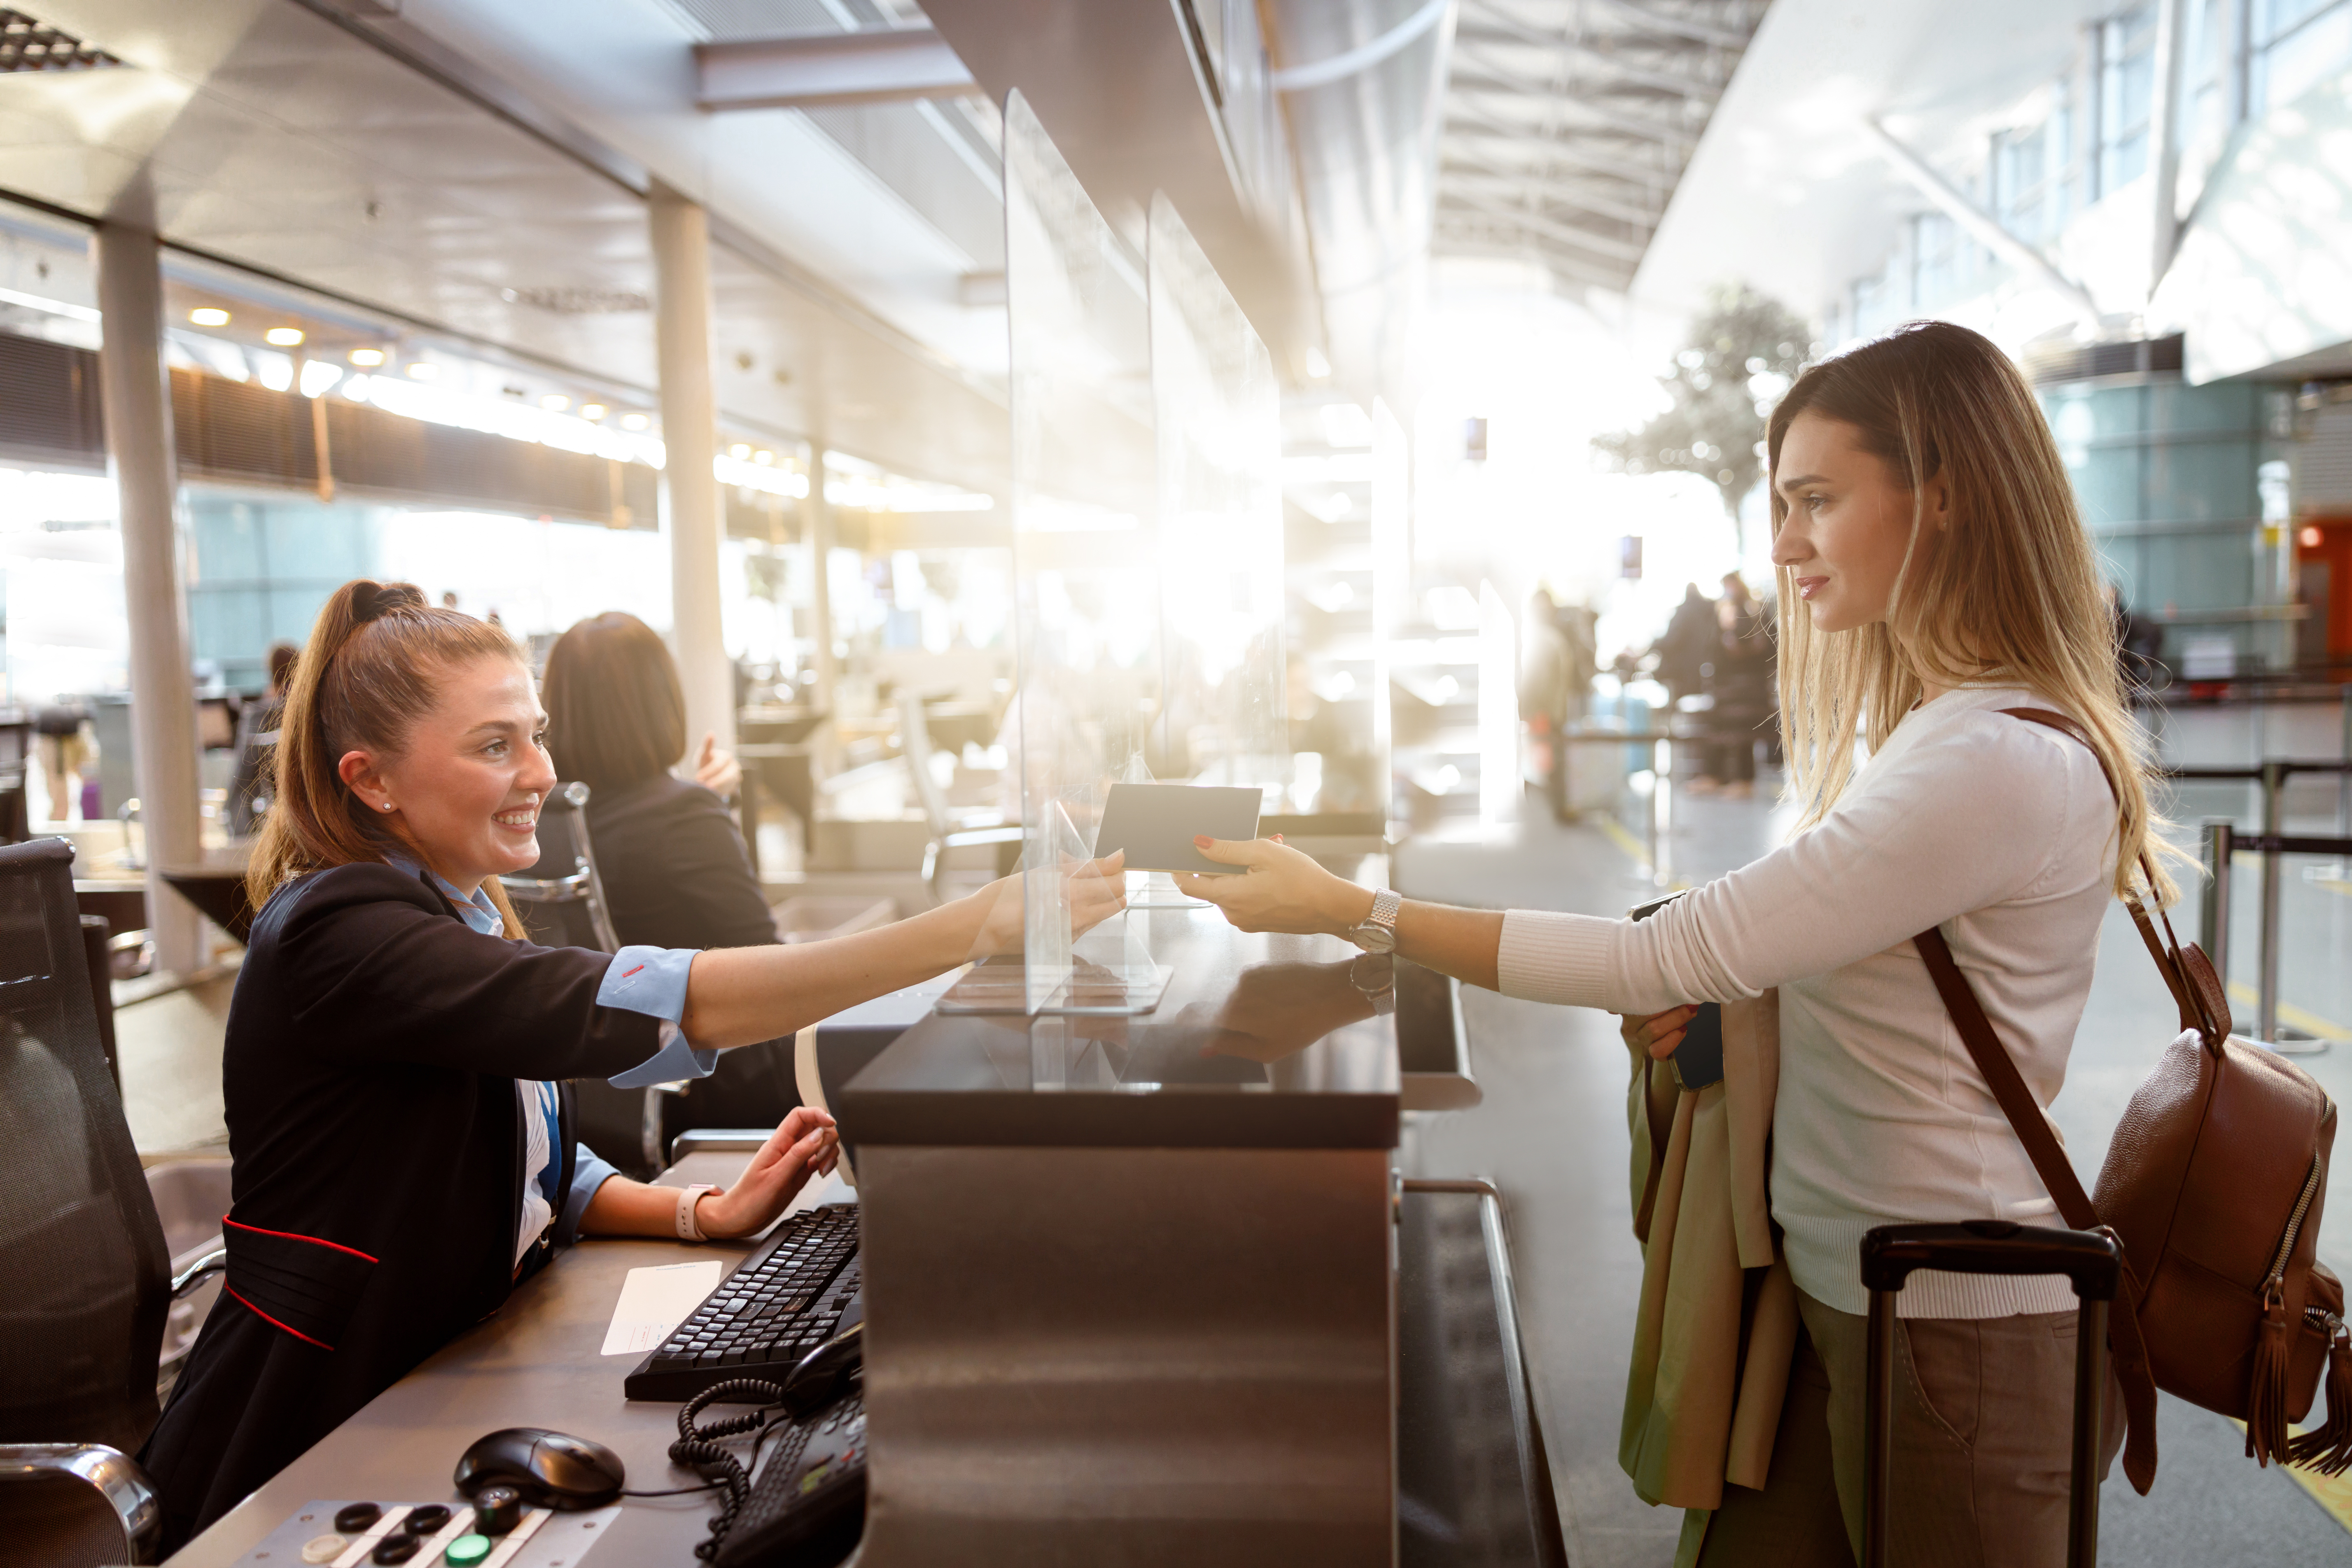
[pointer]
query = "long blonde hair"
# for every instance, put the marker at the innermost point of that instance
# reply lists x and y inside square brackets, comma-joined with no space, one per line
[2011,593]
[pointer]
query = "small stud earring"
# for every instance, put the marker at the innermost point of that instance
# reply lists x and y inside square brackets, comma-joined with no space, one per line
[387,806]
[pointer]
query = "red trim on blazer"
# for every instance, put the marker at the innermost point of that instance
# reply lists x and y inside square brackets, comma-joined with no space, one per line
[290,1235]
[274,1322]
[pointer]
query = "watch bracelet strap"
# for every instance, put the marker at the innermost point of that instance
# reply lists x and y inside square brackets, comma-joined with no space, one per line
[688,1228]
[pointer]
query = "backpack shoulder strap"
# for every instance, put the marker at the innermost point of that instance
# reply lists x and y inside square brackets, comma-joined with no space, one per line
[2165,951]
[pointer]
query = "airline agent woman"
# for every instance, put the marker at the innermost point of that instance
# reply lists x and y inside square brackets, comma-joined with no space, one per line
[394,1068]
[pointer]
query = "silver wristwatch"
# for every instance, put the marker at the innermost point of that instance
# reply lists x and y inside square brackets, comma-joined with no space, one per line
[1376,933]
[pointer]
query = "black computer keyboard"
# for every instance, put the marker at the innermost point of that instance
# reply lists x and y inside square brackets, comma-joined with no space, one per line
[807,1506]
[781,1303]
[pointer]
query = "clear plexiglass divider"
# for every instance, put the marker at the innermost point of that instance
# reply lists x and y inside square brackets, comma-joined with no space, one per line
[1147,527]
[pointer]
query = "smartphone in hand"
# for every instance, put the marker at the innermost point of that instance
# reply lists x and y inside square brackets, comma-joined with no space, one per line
[1698,1060]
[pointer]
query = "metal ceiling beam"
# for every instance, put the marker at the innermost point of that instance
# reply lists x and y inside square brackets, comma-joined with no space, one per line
[1521,247]
[1561,152]
[819,70]
[1476,43]
[1552,228]
[1662,21]
[1605,119]
[1579,198]
[1467,122]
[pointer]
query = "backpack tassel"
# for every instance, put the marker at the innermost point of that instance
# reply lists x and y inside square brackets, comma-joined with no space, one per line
[2328,1447]
[2266,1430]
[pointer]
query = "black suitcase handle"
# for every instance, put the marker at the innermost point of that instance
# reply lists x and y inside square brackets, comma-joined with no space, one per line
[2089,1258]
[2092,1261]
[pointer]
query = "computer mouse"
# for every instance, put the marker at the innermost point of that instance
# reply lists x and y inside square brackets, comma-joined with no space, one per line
[551,1470]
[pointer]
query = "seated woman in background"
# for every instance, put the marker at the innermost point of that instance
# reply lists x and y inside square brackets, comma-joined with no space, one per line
[667,850]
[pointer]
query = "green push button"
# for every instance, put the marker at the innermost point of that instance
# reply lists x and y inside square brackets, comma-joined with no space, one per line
[467,1550]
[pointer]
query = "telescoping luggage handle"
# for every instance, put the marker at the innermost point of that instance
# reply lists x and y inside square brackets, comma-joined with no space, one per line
[2091,1259]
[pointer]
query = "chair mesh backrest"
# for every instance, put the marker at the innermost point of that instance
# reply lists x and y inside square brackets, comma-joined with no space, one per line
[577,916]
[81,1251]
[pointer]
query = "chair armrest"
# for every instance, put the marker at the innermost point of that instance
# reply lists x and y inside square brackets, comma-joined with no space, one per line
[719,1141]
[194,1275]
[1010,833]
[108,1472]
[963,837]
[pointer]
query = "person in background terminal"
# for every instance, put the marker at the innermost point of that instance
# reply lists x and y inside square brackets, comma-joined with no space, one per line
[1934,572]
[673,866]
[256,735]
[401,1131]
[1740,683]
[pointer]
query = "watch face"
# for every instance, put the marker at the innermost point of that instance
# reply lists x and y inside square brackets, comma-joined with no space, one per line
[1375,938]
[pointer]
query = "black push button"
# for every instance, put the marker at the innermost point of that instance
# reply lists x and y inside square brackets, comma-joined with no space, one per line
[354,1518]
[497,1509]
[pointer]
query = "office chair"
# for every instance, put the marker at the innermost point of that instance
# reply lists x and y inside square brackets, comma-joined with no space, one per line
[561,902]
[81,1323]
[561,899]
[946,833]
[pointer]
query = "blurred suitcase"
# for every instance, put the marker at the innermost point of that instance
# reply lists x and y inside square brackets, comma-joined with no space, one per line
[2091,1259]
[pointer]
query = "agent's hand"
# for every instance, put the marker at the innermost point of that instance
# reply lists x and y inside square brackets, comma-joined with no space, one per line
[715,769]
[1284,889]
[1094,890]
[807,1145]
[1660,1032]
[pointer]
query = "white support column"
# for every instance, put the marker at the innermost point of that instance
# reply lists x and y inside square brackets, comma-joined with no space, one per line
[2164,139]
[819,515]
[692,511]
[140,453]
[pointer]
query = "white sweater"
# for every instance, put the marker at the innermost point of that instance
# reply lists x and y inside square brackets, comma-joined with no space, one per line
[2000,831]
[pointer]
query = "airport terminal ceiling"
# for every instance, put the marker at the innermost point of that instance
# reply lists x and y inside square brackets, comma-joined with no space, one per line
[1569,124]
[281,137]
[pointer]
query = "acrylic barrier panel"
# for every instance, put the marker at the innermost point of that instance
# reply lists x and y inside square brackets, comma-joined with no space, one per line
[1222,719]
[1391,578]
[1087,606]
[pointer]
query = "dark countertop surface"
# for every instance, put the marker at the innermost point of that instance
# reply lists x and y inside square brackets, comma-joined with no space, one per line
[1263,1041]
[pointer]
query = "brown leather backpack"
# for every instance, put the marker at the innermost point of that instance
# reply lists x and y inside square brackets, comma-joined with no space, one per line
[2213,1183]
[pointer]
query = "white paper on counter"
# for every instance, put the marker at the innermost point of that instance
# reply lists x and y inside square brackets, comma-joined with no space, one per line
[655,1301]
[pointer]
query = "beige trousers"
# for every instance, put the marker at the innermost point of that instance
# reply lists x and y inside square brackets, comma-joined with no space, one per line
[1984,1425]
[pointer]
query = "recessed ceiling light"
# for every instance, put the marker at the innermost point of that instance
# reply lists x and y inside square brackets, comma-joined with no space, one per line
[423,371]
[209,316]
[740,450]
[635,422]
[592,411]
[555,402]
[369,357]
[284,337]
[763,458]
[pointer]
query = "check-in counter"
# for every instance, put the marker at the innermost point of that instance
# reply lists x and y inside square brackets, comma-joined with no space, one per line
[1129,1282]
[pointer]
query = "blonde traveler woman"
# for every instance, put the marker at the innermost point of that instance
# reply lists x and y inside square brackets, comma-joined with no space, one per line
[1933,573]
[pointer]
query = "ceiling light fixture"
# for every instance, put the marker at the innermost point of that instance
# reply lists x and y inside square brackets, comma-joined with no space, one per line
[367,356]
[593,411]
[555,402]
[209,316]
[635,422]
[763,458]
[423,371]
[740,450]
[284,337]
